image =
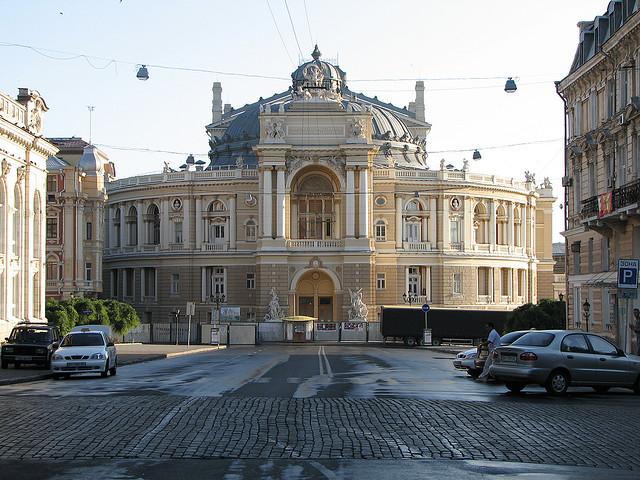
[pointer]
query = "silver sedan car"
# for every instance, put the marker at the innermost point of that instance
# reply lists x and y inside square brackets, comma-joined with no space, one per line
[557,359]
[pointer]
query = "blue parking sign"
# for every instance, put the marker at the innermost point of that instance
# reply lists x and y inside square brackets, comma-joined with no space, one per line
[628,273]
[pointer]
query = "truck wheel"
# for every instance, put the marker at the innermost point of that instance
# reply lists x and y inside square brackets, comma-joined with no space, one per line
[410,341]
[435,342]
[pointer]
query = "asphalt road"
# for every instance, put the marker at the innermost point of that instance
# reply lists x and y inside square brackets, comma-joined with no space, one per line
[310,412]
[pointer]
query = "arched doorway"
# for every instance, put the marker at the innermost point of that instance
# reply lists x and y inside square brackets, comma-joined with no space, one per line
[315,296]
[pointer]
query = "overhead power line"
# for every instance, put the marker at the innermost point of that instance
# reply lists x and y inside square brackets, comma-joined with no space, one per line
[495,147]
[293,27]
[306,13]
[280,34]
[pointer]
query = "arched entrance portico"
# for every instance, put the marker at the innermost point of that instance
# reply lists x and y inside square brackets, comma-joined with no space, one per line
[315,295]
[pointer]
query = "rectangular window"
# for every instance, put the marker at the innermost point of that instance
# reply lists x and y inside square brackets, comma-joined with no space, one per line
[413,283]
[454,227]
[150,282]
[52,228]
[457,283]
[578,122]
[413,232]
[88,273]
[218,232]
[381,232]
[577,191]
[611,95]
[114,283]
[521,274]
[592,178]
[52,184]
[218,281]
[129,282]
[624,88]
[381,281]
[89,231]
[576,263]
[483,281]
[250,231]
[593,103]
[175,283]
[590,255]
[621,171]
[251,281]
[504,283]
[177,232]
[604,245]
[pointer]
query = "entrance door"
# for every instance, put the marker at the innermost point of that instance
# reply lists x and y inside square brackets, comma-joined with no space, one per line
[305,306]
[325,309]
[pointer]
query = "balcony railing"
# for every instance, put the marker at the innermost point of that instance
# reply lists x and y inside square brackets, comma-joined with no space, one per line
[417,246]
[621,197]
[214,247]
[176,246]
[307,244]
[54,284]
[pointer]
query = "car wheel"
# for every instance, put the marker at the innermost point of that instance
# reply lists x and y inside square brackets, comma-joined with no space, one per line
[514,387]
[410,342]
[105,372]
[5,364]
[473,373]
[112,370]
[57,376]
[557,383]
[601,389]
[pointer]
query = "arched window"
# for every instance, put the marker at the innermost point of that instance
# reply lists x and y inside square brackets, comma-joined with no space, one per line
[17,221]
[517,227]
[216,206]
[132,226]
[153,225]
[250,230]
[314,199]
[381,231]
[480,223]
[414,222]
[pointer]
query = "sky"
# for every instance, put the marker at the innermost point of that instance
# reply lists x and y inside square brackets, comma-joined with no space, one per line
[384,46]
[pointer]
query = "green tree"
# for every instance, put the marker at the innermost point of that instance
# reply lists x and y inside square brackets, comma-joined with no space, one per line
[122,316]
[547,314]
[62,314]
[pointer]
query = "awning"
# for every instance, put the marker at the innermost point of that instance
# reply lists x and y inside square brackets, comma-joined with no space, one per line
[603,279]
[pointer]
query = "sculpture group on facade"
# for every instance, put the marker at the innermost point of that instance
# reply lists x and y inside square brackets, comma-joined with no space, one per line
[358,310]
[275,312]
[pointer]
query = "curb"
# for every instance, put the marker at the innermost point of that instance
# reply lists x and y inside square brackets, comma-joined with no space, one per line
[197,350]
[35,378]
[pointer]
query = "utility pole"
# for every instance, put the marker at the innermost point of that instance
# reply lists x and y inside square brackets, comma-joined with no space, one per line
[91,108]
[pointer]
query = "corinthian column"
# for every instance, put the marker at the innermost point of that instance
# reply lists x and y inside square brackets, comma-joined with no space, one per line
[280,205]
[364,204]
[350,205]
[267,204]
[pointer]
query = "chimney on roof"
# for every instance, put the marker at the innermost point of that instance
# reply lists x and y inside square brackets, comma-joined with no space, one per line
[419,103]
[227,108]
[216,108]
[412,107]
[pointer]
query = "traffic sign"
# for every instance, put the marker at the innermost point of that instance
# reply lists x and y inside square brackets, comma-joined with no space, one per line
[426,308]
[628,273]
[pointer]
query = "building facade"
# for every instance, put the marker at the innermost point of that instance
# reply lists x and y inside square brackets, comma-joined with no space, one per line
[76,196]
[317,193]
[23,155]
[602,166]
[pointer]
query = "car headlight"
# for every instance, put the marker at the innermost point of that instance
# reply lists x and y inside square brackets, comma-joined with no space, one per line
[97,356]
[55,356]
[8,349]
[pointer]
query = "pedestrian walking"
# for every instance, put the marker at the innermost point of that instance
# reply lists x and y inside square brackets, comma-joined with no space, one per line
[635,328]
[493,342]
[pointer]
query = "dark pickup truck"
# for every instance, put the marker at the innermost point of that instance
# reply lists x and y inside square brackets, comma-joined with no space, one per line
[30,343]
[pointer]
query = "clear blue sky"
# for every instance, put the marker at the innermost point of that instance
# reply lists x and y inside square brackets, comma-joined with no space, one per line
[374,39]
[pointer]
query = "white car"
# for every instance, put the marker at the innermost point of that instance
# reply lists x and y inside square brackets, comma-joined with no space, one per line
[86,349]
[464,360]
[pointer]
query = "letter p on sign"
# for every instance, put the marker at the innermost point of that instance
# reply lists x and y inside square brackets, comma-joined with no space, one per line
[628,273]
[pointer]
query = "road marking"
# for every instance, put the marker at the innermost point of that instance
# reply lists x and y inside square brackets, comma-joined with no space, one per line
[320,364]
[329,370]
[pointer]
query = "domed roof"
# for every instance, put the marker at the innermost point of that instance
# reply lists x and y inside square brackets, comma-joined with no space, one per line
[90,161]
[318,74]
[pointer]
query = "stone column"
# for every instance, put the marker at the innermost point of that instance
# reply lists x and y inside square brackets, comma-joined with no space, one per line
[523,229]
[511,289]
[294,219]
[280,205]
[510,225]
[232,222]
[203,284]
[492,225]
[492,293]
[337,230]
[398,221]
[164,224]
[186,222]
[80,226]
[140,220]
[468,223]
[350,204]
[198,220]
[433,223]
[446,224]
[364,204]
[267,204]
[69,242]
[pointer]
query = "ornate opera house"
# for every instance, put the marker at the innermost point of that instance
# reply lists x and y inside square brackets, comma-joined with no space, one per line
[318,192]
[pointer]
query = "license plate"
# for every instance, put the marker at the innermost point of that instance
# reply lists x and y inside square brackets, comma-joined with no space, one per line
[508,358]
[76,364]
[24,357]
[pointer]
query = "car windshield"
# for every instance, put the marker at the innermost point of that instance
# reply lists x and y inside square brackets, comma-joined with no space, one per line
[30,335]
[509,338]
[535,339]
[83,340]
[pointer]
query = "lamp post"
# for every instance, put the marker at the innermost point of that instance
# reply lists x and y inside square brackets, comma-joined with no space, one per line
[561,297]
[218,299]
[177,314]
[586,306]
[409,298]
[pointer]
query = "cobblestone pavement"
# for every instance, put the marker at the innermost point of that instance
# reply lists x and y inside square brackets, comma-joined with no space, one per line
[178,427]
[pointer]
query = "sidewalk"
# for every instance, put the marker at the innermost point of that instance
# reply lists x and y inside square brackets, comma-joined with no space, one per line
[128,354]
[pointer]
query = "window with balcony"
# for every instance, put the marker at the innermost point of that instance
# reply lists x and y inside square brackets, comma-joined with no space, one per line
[412,230]
[480,223]
[501,225]
[177,232]
[621,170]
[381,281]
[153,224]
[454,230]
[381,231]
[592,177]
[215,281]
[132,226]
[250,231]
[313,209]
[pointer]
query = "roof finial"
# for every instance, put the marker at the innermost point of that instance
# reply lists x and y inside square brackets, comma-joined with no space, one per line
[316,53]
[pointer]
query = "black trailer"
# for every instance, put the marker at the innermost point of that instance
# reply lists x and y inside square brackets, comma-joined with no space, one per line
[408,324]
